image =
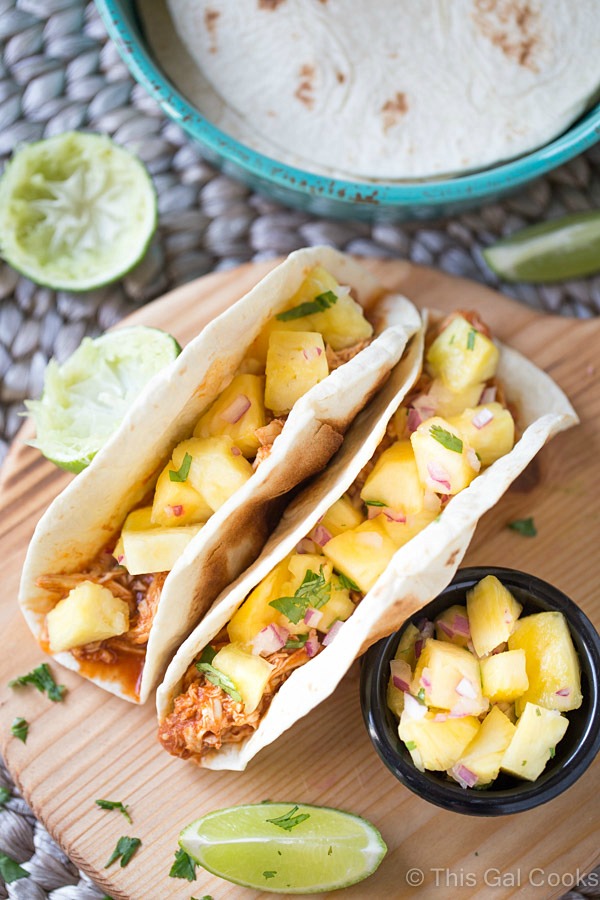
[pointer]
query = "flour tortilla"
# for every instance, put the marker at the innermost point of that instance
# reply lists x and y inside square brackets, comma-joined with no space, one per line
[390,90]
[82,519]
[416,573]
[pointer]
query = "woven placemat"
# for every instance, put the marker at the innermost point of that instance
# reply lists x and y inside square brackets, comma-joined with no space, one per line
[59,71]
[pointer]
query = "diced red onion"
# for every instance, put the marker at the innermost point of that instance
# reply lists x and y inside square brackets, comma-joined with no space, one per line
[305,546]
[424,405]
[177,509]
[449,632]
[312,616]
[312,644]
[464,776]
[418,647]
[414,419]
[482,418]
[120,558]
[321,535]
[236,409]
[310,353]
[235,451]
[439,474]
[393,515]
[400,684]
[426,628]
[440,717]
[371,539]
[412,707]
[564,692]
[488,395]
[499,649]
[333,631]
[373,511]
[425,679]
[466,688]
[460,625]
[270,639]
[473,459]
[401,674]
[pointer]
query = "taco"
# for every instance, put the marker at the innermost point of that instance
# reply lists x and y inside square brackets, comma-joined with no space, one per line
[374,538]
[130,555]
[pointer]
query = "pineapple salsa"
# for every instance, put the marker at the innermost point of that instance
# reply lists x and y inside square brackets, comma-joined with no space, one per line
[109,609]
[481,691]
[452,425]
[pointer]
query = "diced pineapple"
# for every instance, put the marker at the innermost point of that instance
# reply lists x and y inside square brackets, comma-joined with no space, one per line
[552,664]
[492,612]
[255,613]
[394,480]
[361,553]
[504,676]
[451,403]
[402,532]
[406,645]
[484,754]
[436,745]
[341,516]
[237,413]
[249,673]
[509,711]
[90,612]
[394,698]
[177,502]
[339,607]
[537,733]
[405,654]
[217,468]
[448,677]
[445,461]
[400,423]
[492,435]
[462,356]
[296,361]
[152,548]
[301,563]
[452,625]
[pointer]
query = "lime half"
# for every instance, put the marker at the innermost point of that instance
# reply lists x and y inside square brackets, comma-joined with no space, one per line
[86,398]
[285,848]
[563,248]
[76,211]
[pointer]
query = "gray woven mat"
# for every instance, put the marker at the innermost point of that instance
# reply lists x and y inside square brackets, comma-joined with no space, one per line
[58,71]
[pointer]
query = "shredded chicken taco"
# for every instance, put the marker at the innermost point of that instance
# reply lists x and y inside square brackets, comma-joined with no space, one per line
[378,534]
[129,557]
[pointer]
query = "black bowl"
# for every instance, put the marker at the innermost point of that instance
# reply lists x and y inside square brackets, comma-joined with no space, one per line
[574,753]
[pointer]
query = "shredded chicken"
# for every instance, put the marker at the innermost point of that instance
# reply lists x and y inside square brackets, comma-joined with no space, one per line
[337,358]
[267,435]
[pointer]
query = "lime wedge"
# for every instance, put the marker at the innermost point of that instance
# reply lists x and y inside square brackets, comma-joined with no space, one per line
[76,211]
[86,398]
[286,848]
[563,248]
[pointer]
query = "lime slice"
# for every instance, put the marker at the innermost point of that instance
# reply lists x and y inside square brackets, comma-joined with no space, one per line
[76,211]
[563,248]
[285,848]
[86,398]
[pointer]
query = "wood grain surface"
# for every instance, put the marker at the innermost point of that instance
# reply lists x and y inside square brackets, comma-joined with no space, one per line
[94,745]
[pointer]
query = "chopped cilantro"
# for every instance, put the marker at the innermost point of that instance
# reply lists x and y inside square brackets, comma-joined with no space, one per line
[270,874]
[10,869]
[42,679]
[330,851]
[552,752]
[526,527]
[538,711]
[208,654]
[471,339]
[5,795]
[421,695]
[319,304]
[126,847]
[410,745]
[183,471]
[375,503]
[114,804]
[446,438]
[220,679]
[347,583]
[297,641]
[20,729]
[451,341]
[183,867]
[524,763]
[290,819]
[314,591]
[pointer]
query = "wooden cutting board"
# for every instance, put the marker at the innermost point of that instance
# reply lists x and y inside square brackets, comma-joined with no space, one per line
[96,746]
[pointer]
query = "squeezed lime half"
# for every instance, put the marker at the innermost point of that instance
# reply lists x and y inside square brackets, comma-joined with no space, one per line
[85,399]
[285,848]
[76,211]
[563,248]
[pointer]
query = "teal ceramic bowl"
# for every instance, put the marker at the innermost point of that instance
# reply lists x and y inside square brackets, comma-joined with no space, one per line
[326,196]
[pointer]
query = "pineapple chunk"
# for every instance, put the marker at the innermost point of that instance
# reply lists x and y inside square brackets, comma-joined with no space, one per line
[177,503]
[484,754]
[151,548]
[249,673]
[492,612]
[551,660]
[436,745]
[491,440]
[445,461]
[341,516]
[339,607]
[255,613]
[90,612]
[451,403]
[400,423]
[537,733]
[300,563]
[296,361]
[361,553]
[504,676]
[394,480]
[237,413]
[406,645]
[217,469]
[462,356]
[402,532]
[448,677]
[451,625]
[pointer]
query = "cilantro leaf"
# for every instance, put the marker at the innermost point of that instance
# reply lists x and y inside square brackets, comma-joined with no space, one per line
[183,867]
[319,304]
[183,471]
[526,527]
[471,339]
[220,679]
[268,874]
[297,641]
[347,583]
[314,591]
[421,695]
[5,795]
[20,729]
[114,804]
[208,654]
[10,869]
[126,847]
[446,438]
[289,820]
[375,503]
[410,745]
[552,752]
[42,679]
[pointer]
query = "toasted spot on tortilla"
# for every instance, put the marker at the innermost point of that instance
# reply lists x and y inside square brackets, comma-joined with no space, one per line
[305,90]
[394,109]
[451,559]
[269,4]
[210,23]
[514,27]
[340,77]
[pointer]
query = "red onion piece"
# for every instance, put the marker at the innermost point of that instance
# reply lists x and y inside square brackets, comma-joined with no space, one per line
[321,535]
[564,692]
[401,685]
[488,395]
[425,406]
[473,459]
[413,420]
[236,409]
[439,475]
[418,647]
[466,688]
[270,639]
[310,353]
[332,633]
[499,649]
[482,418]
[312,616]
[393,515]
[401,674]
[235,451]
[414,709]
[312,644]
[460,625]
[305,546]
[464,776]
[449,632]
[426,628]
[425,679]
[440,717]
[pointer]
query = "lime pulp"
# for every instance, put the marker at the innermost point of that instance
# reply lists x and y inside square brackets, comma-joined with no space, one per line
[312,849]
[77,211]
[85,399]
